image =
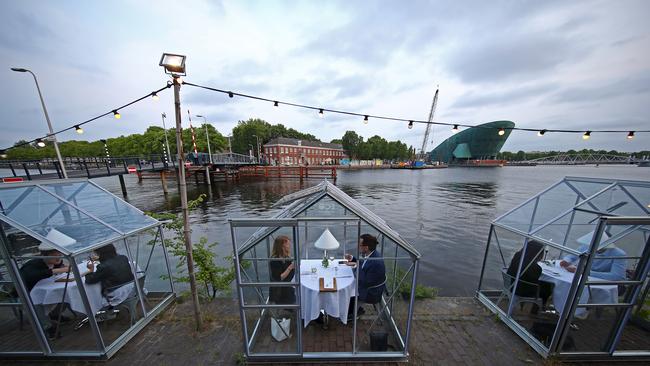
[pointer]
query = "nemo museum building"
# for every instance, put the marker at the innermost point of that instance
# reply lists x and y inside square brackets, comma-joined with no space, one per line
[481,142]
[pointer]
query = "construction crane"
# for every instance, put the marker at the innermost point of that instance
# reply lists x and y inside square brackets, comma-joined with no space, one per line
[423,151]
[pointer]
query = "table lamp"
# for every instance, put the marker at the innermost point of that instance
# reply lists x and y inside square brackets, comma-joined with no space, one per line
[326,242]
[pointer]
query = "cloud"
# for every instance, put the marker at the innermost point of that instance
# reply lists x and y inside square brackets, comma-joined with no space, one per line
[639,84]
[475,99]
[507,57]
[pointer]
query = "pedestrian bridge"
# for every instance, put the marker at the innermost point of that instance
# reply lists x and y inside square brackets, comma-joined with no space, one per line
[93,167]
[582,159]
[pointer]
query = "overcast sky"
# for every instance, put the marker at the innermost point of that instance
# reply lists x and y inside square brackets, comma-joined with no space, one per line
[541,64]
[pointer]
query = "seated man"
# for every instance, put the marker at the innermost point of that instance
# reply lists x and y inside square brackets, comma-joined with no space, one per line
[40,268]
[372,273]
[113,269]
[604,268]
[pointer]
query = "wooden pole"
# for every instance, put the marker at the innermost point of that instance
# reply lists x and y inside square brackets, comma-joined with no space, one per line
[122,185]
[184,208]
[163,180]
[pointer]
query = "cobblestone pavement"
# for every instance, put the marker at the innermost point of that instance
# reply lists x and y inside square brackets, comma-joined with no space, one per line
[446,331]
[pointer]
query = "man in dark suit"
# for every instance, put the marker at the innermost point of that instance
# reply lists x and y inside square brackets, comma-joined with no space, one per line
[372,273]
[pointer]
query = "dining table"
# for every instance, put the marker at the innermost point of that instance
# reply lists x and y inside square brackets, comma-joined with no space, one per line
[335,302]
[562,279]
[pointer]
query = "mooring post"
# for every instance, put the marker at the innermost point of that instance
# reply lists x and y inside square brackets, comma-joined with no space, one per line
[163,180]
[207,175]
[122,184]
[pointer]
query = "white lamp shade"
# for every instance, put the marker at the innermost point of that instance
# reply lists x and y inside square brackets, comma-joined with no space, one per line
[327,241]
[59,238]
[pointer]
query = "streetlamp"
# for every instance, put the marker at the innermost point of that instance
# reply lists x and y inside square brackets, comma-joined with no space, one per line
[207,137]
[169,157]
[258,148]
[229,144]
[47,118]
[174,65]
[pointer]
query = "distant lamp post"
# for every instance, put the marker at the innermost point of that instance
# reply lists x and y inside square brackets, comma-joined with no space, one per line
[257,140]
[47,118]
[174,65]
[229,144]
[207,136]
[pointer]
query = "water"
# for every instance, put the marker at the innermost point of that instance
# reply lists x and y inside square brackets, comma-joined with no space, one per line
[444,213]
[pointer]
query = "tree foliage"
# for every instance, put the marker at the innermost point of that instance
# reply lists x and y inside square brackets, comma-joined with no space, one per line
[375,148]
[245,131]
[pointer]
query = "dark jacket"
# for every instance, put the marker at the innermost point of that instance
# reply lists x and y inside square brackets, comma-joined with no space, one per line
[531,275]
[281,295]
[371,274]
[34,271]
[111,272]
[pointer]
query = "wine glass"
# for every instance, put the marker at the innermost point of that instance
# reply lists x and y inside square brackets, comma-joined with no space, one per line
[313,271]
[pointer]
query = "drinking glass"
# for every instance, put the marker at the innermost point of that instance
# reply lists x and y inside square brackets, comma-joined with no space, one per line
[313,271]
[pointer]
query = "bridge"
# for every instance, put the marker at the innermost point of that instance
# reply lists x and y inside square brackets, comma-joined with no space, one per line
[94,167]
[581,159]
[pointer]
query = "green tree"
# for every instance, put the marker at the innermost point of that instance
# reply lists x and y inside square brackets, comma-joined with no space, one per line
[352,144]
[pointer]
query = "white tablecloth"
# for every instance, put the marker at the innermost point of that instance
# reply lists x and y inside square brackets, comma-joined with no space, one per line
[334,303]
[562,279]
[47,291]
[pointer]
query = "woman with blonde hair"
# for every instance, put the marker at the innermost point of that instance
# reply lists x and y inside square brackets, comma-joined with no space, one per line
[282,270]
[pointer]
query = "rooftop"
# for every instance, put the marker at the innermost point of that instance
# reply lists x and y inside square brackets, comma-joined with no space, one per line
[297,142]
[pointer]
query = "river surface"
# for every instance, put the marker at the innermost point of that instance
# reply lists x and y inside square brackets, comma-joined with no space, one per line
[444,213]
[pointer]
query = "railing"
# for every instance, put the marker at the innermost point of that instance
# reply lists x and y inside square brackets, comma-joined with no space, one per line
[579,159]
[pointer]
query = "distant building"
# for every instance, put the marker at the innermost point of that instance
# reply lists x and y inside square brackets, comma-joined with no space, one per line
[481,142]
[288,151]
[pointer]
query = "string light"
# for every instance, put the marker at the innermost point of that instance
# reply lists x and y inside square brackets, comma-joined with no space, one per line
[275,104]
[230,94]
[78,129]
[541,133]
[410,125]
[587,135]
[365,119]
[117,114]
[321,113]
[155,96]
[502,132]
[3,154]
[630,135]
[454,129]
[40,143]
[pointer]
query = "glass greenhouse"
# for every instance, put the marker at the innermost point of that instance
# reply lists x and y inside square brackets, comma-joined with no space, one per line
[314,313]
[51,305]
[567,270]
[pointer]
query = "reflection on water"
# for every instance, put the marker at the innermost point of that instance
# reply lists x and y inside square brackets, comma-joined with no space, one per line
[444,213]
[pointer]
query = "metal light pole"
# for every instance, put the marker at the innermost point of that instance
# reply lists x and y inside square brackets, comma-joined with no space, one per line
[257,139]
[175,66]
[207,137]
[169,157]
[47,118]
[229,144]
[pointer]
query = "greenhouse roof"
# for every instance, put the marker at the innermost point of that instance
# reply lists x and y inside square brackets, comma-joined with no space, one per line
[567,213]
[300,201]
[71,216]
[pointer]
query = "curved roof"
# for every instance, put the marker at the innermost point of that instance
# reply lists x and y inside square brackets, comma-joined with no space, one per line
[479,142]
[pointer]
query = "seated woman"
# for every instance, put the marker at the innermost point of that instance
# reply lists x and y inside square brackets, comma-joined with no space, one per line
[112,271]
[530,273]
[282,270]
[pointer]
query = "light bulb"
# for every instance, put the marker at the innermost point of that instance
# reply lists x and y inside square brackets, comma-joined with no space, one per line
[541,132]
[117,115]
[321,113]
[154,96]
[79,129]
[587,135]
[454,129]
[275,104]
[365,120]
[630,135]
[40,143]
[410,125]
[502,131]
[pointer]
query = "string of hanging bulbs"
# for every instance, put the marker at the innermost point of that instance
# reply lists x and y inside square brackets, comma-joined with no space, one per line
[40,142]
[455,127]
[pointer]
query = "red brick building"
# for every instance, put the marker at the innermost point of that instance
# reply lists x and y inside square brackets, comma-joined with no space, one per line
[288,151]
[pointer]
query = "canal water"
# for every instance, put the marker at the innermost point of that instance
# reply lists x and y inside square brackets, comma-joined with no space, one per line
[444,213]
